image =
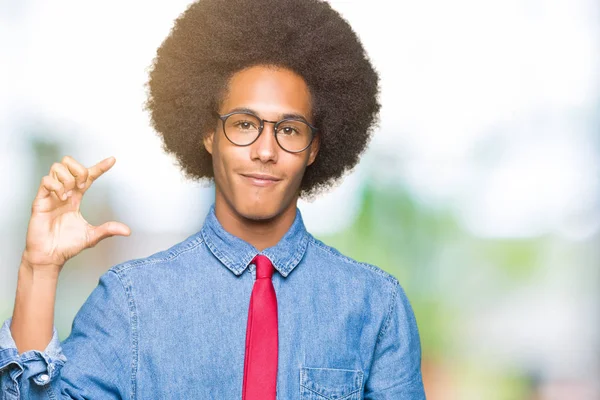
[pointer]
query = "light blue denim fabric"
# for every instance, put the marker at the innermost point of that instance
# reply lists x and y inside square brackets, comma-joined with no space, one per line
[173,326]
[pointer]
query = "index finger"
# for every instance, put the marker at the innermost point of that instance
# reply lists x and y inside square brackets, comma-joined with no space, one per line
[77,170]
[97,170]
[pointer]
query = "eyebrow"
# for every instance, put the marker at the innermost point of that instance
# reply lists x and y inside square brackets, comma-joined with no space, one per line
[281,116]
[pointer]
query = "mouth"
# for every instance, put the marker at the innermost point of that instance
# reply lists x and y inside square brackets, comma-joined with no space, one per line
[261,179]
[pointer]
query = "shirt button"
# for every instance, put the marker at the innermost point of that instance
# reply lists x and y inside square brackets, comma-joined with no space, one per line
[44,377]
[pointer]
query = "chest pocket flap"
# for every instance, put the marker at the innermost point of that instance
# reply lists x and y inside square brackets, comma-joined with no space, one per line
[330,383]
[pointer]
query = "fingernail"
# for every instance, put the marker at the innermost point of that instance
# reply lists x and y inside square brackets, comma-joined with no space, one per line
[69,193]
[64,196]
[81,185]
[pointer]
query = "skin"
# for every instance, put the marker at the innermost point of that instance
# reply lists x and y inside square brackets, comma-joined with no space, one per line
[258,214]
[56,232]
[258,211]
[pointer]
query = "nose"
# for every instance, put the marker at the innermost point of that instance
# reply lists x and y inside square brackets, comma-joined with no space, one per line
[265,148]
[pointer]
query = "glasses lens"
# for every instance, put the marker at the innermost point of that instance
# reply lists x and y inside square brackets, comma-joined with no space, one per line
[242,128]
[293,135]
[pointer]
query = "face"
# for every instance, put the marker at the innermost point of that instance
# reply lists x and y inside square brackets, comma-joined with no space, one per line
[261,181]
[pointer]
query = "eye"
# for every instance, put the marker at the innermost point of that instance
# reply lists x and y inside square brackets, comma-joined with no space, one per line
[244,125]
[288,130]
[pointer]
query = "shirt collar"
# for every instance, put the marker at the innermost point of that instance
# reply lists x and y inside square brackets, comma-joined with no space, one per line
[236,254]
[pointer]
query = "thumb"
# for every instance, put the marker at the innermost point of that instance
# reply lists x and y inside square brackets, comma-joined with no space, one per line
[108,229]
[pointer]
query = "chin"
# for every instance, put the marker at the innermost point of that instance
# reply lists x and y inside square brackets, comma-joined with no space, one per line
[258,211]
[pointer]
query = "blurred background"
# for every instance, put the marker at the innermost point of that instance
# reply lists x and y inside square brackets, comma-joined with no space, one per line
[480,190]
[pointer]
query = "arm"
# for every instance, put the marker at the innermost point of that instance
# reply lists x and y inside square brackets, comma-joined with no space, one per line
[95,362]
[57,232]
[33,315]
[396,367]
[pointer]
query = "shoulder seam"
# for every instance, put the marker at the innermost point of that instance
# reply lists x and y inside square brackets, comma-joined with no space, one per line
[391,307]
[388,277]
[133,327]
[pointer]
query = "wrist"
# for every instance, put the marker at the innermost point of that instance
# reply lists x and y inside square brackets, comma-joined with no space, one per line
[33,267]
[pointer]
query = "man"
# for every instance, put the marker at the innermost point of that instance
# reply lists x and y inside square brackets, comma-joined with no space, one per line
[272,100]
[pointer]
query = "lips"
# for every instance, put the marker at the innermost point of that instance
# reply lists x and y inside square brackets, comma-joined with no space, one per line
[260,179]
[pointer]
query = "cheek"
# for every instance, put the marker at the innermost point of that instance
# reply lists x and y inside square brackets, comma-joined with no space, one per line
[221,154]
[297,164]
[229,158]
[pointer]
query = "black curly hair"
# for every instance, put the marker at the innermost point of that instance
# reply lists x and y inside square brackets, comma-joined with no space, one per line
[213,39]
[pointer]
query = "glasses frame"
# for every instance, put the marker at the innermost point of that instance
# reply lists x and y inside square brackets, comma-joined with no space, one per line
[313,129]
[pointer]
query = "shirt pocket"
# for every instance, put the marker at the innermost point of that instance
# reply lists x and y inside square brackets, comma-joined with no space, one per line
[330,384]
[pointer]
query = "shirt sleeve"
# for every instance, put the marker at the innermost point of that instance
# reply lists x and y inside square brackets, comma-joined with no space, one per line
[94,362]
[396,367]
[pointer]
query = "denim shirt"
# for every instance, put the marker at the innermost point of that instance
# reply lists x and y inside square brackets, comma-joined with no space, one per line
[173,326]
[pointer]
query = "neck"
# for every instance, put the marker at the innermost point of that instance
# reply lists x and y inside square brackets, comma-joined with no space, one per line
[260,233]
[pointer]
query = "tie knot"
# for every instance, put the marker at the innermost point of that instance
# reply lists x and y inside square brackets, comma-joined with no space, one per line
[264,267]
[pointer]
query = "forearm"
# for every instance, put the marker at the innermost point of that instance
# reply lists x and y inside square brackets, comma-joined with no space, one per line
[33,315]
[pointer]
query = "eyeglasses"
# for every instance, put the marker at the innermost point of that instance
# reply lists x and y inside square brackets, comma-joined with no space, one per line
[292,134]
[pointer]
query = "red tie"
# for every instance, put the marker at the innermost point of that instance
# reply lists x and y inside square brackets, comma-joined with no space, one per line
[260,363]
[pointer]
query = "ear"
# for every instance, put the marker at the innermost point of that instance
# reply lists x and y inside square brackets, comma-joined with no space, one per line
[208,142]
[314,150]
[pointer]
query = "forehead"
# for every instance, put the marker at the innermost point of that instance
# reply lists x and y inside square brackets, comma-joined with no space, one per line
[268,90]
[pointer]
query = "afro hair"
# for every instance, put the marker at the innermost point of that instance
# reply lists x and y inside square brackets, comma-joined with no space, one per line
[213,39]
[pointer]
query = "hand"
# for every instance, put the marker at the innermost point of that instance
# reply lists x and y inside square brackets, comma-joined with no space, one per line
[57,231]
